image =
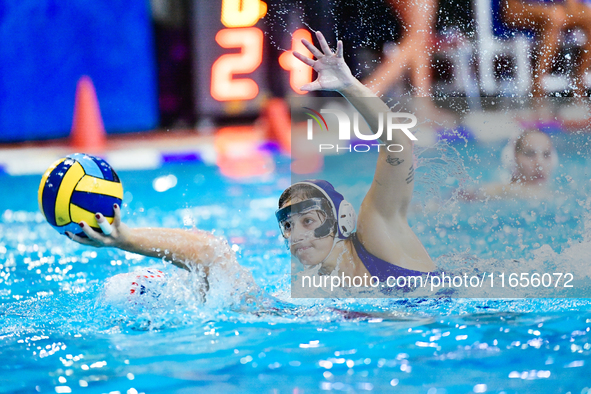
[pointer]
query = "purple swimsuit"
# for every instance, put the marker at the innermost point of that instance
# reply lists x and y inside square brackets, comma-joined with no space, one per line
[378,267]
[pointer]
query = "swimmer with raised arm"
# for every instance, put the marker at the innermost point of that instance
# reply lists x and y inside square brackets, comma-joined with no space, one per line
[316,222]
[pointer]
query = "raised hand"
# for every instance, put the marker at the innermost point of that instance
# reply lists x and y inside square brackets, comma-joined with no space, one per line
[116,238]
[333,72]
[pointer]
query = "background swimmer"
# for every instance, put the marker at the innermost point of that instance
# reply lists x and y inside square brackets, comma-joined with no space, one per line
[532,157]
[319,232]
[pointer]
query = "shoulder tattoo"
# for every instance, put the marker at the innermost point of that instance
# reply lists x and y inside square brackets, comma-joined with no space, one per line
[411,175]
[394,161]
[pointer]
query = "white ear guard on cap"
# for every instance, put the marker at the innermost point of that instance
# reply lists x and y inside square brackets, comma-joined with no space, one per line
[347,218]
[343,211]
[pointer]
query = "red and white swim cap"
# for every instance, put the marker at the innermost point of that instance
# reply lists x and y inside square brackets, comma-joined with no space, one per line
[141,287]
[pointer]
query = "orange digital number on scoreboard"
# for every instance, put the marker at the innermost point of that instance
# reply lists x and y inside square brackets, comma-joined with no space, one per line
[239,16]
[224,86]
[299,73]
[242,13]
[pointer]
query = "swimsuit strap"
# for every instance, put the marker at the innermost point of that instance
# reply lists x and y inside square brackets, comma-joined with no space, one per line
[378,267]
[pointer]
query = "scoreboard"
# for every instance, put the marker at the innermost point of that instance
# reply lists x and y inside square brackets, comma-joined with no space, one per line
[231,77]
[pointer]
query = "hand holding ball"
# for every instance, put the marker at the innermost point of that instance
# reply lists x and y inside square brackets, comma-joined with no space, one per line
[76,187]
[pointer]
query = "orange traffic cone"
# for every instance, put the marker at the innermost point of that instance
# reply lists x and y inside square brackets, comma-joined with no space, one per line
[88,132]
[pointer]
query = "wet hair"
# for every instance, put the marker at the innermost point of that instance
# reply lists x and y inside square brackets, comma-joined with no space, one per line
[520,142]
[301,191]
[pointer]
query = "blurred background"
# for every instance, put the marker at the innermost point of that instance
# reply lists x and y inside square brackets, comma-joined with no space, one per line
[199,64]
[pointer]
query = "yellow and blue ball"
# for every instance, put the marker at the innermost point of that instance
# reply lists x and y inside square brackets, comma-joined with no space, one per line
[76,187]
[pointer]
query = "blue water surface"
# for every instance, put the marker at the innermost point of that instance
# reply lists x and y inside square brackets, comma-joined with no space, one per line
[58,335]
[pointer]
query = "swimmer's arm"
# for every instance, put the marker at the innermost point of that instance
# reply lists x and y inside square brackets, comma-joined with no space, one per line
[393,183]
[371,107]
[334,74]
[391,190]
[182,248]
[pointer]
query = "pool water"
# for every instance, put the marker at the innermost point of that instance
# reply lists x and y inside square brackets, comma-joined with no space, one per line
[59,335]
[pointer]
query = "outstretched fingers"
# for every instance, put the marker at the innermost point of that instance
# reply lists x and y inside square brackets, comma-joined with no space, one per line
[340,49]
[323,44]
[312,48]
[330,66]
[306,60]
